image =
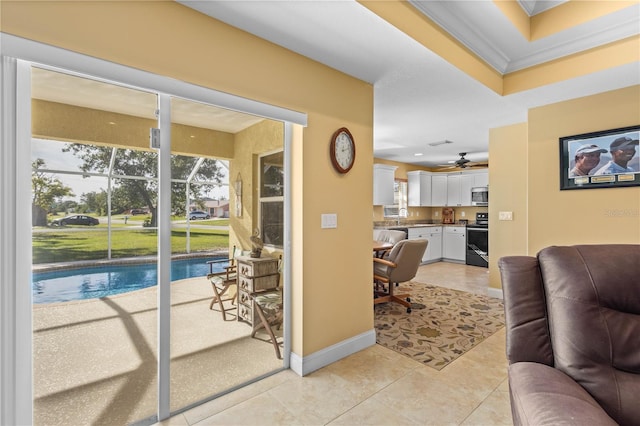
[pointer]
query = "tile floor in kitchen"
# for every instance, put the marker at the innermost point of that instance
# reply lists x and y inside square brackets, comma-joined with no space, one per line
[378,386]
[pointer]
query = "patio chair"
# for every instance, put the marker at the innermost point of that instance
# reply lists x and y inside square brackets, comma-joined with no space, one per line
[222,283]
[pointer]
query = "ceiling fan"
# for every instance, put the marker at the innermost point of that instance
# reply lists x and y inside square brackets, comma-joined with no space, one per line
[463,163]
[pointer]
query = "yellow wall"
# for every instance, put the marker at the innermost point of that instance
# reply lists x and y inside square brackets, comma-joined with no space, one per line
[524,179]
[580,216]
[508,183]
[331,273]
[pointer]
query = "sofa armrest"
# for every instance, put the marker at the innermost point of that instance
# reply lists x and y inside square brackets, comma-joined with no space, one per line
[543,395]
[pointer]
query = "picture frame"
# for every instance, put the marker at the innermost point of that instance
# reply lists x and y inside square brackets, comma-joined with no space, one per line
[603,159]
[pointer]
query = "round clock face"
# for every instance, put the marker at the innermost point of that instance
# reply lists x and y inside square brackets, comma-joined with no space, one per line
[342,150]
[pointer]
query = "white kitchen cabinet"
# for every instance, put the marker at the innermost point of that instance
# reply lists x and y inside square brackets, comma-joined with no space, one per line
[419,188]
[434,249]
[459,189]
[481,179]
[383,180]
[466,183]
[433,234]
[454,243]
[453,190]
[439,189]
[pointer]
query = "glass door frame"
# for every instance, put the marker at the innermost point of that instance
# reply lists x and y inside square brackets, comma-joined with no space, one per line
[18,55]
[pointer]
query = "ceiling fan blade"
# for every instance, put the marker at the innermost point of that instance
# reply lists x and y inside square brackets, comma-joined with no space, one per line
[479,165]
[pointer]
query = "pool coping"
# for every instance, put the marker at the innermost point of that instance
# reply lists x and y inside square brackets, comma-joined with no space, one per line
[46,267]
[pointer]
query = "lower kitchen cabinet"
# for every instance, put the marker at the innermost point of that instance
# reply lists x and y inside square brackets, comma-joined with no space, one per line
[454,243]
[433,234]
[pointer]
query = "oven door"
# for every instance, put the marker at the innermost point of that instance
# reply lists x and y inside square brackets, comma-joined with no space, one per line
[477,247]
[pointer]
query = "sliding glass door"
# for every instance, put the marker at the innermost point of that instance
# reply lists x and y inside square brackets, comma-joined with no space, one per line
[94,239]
[127,224]
[212,353]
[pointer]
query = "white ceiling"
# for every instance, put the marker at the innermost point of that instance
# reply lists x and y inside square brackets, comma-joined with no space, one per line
[419,97]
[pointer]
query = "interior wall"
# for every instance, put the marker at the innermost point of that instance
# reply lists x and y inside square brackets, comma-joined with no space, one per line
[524,177]
[586,216]
[508,183]
[169,39]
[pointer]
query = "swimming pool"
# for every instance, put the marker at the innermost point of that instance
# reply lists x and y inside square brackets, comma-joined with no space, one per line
[100,281]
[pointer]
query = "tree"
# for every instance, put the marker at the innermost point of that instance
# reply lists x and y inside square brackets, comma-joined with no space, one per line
[143,192]
[95,202]
[46,190]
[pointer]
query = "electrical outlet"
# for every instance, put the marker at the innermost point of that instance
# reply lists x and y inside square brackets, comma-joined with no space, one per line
[437,214]
[463,214]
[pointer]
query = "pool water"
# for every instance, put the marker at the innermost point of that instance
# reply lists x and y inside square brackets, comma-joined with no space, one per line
[101,281]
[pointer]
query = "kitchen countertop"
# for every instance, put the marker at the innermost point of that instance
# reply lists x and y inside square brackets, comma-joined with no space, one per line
[416,225]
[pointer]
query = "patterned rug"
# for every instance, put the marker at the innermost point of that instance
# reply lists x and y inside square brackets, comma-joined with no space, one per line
[443,323]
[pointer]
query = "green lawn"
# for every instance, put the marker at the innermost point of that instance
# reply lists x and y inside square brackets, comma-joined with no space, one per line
[74,244]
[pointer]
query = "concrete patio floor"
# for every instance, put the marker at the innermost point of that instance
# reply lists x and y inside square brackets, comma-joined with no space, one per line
[95,361]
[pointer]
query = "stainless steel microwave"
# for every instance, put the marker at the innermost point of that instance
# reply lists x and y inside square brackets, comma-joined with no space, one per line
[480,196]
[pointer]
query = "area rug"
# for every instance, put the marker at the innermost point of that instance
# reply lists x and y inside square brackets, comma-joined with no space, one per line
[443,323]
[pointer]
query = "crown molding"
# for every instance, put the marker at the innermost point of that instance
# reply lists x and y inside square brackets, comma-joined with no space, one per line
[462,27]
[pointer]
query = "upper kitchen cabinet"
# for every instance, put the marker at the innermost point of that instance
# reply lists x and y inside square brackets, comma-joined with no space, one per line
[383,184]
[459,189]
[481,178]
[439,189]
[419,183]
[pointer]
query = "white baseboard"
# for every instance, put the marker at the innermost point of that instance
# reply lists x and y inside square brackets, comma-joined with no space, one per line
[331,354]
[495,292]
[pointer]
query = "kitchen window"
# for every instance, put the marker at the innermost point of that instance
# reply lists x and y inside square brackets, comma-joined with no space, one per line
[272,199]
[399,207]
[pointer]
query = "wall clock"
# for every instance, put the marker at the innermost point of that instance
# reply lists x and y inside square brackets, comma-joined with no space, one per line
[342,150]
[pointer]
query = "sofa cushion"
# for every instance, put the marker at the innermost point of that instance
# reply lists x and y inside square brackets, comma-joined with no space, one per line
[593,300]
[528,329]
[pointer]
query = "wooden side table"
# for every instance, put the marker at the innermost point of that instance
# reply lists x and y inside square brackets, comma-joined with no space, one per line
[254,275]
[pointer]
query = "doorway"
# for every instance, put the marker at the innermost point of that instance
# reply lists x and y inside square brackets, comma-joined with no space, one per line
[99,359]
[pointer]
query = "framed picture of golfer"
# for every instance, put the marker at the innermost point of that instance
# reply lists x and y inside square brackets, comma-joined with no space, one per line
[604,159]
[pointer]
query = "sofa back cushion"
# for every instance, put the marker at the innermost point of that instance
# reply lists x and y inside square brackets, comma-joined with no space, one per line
[593,302]
[525,309]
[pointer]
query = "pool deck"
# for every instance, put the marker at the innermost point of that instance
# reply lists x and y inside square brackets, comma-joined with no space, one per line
[95,360]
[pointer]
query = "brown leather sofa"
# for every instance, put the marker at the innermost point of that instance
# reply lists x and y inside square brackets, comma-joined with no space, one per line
[573,335]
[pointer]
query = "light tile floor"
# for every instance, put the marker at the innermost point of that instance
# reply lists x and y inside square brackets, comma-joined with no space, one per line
[378,386]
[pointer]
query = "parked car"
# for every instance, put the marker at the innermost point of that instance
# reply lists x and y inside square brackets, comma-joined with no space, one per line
[197,214]
[76,219]
[137,211]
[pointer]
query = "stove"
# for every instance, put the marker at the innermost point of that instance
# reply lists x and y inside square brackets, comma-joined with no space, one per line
[478,241]
[482,221]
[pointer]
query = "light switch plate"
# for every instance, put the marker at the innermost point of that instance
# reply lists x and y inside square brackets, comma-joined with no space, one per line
[505,215]
[329,220]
